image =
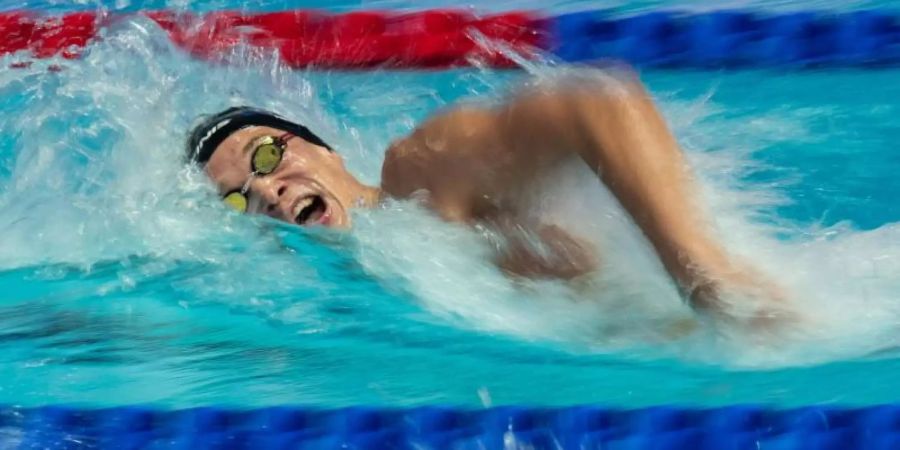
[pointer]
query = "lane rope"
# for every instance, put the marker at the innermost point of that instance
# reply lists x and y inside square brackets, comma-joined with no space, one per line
[446,37]
[668,427]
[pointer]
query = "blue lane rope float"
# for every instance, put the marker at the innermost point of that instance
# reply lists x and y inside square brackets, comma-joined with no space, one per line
[731,39]
[582,427]
[444,38]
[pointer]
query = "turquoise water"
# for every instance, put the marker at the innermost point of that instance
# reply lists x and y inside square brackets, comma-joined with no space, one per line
[125,281]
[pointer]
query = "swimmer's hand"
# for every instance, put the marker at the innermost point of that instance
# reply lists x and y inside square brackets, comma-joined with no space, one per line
[741,295]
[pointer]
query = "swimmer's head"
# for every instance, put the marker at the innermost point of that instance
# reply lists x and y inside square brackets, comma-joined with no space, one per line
[265,164]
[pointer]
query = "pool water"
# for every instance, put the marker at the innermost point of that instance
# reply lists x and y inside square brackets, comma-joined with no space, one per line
[124,280]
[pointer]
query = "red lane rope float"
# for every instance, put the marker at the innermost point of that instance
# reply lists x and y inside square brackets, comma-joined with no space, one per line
[434,38]
[45,37]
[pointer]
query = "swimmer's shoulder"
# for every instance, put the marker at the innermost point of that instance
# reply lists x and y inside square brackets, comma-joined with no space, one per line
[441,155]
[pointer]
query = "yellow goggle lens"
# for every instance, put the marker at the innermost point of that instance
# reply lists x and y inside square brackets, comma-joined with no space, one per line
[237,201]
[267,158]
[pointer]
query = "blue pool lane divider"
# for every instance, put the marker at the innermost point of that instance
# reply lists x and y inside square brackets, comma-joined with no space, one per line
[731,39]
[582,427]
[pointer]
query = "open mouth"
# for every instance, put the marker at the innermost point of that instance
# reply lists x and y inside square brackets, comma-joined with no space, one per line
[310,210]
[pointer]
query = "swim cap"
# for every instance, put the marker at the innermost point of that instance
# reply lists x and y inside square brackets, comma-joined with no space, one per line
[206,137]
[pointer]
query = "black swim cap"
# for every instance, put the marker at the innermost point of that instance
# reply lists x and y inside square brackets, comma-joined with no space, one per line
[206,137]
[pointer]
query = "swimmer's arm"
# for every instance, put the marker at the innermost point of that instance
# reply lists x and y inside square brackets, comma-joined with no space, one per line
[467,156]
[618,132]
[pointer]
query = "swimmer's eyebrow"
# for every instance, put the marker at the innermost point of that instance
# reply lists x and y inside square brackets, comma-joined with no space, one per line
[250,145]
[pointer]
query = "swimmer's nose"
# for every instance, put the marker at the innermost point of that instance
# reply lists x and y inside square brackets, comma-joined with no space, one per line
[272,192]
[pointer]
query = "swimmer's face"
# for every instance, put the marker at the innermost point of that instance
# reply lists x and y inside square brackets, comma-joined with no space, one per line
[310,186]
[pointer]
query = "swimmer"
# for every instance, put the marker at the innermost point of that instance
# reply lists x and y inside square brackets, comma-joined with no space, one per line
[469,163]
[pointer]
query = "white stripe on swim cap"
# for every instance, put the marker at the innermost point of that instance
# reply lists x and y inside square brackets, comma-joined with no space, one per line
[209,134]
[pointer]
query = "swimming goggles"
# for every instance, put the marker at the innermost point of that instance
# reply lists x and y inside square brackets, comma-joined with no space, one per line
[265,159]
